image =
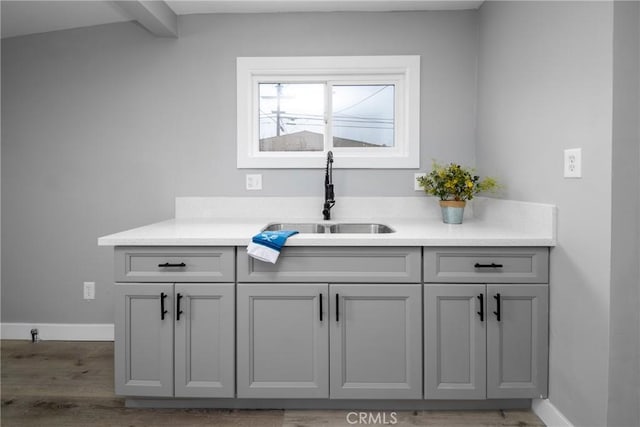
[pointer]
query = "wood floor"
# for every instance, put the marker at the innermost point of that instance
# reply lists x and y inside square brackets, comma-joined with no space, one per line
[71,384]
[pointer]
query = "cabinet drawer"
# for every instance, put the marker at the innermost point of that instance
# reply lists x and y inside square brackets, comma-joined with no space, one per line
[174,264]
[344,264]
[486,265]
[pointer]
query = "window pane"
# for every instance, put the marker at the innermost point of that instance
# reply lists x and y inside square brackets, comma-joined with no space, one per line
[363,116]
[291,116]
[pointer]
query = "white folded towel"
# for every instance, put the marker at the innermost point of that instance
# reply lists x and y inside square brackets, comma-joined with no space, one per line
[266,246]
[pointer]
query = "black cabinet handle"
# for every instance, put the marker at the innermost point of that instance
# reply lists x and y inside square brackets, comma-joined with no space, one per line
[492,265]
[497,313]
[162,310]
[178,311]
[321,307]
[337,308]
[166,264]
[481,312]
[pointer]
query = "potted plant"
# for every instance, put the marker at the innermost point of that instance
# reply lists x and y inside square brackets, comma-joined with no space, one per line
[454,185]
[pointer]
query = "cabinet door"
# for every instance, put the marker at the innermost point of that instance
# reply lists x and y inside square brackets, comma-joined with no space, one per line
[204,340]
[144,339]
[283,341]
[517,343]
[454,341]
[376,341]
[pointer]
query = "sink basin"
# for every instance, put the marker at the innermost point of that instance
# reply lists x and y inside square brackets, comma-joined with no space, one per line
[339,228]
[362,228]
[299,227]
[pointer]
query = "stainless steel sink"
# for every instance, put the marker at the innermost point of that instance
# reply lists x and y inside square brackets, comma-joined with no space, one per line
[361,228]
[299,227]
[337,228]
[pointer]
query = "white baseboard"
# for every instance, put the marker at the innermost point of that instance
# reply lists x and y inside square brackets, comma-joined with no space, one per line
[57,331]
[549,414]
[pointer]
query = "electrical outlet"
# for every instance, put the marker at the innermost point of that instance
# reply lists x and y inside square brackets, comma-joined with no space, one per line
[89,289]
[573,163]
[416,186]
[254,182]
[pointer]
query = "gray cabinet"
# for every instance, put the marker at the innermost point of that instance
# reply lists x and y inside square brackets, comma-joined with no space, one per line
[486,265]
[283,339]
[143,340]
[171,264]
[454,342]
[332,323]
[517,342]
[204,340]
[486,322]
[294,340]
[306,264]
[376,341]
[199,317]
[486,341]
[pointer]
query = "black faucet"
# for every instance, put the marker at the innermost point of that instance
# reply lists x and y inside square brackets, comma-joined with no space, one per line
[328,187]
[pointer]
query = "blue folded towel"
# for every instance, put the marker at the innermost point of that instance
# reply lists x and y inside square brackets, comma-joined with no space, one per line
[266,245]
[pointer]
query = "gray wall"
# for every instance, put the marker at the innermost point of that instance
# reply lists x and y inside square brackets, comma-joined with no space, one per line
[624,341]
[548,73]
[104,126]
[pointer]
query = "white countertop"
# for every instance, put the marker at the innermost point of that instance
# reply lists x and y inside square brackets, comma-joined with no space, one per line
[488,222]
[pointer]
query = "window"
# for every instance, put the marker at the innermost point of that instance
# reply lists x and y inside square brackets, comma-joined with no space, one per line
[292,110]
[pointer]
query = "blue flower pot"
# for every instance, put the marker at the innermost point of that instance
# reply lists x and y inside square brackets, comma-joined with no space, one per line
[452,211]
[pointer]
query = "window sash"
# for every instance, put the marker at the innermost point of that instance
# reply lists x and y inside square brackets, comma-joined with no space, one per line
[328,114]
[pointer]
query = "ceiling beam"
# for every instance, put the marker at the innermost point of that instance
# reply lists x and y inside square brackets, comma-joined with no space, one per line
[156,16]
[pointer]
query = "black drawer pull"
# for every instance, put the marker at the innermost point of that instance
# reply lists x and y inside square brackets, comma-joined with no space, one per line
[166,264]
[481,312]
[492,265]
[162,310]
[337,306]
[321,307]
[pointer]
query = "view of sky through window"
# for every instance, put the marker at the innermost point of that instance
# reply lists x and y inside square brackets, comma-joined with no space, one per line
[292,116]
[363,113]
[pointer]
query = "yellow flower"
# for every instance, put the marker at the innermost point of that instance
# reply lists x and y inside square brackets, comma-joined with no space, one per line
[469,184]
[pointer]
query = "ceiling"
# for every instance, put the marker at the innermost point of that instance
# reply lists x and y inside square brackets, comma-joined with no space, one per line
[31,17]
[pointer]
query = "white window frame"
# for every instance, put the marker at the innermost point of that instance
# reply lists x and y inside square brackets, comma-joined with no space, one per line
[403,71]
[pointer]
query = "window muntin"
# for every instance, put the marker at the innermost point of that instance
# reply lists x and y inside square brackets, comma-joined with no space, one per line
[368,113]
